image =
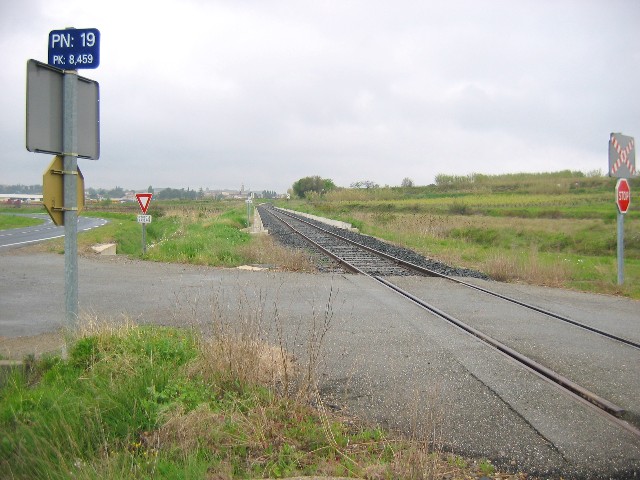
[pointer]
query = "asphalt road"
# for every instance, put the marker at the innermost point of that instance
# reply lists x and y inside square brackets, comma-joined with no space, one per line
[384,359]
[18,237]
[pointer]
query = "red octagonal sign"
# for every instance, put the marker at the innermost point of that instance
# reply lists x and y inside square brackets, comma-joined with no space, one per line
[623,195]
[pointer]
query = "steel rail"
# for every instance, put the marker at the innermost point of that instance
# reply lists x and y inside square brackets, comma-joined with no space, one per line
[559,380]
[555,377]
[432,273]
[330,254]
[348,266]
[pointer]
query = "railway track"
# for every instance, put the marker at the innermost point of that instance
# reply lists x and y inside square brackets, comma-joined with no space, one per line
[352,254]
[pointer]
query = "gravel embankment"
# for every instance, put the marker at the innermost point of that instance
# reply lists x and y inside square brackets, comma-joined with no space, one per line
[290,239]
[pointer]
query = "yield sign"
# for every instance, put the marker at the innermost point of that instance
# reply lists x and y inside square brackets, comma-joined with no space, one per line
[144,199]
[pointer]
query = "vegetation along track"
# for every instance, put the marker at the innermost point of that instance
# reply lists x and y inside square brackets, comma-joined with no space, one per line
[365,255]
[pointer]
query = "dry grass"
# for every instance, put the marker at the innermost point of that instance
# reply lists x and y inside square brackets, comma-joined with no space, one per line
[91,324]
[529,268]
[265,250]
[249,360]
[440,226]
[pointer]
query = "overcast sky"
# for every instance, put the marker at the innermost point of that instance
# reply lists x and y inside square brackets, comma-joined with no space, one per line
[216,94]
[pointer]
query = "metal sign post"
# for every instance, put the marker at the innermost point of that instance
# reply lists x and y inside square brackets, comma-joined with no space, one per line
[623,201]
[620,248]
[144,219]
[622,165]
[59,107]
[72,49]
[144,199]
[70,178]
[144,238]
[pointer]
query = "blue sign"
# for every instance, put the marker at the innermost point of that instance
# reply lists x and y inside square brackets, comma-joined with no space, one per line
[74,48]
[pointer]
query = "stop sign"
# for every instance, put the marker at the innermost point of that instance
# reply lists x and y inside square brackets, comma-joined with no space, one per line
[623,195]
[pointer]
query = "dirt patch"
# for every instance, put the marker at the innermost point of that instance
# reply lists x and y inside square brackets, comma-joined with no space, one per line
[17,348]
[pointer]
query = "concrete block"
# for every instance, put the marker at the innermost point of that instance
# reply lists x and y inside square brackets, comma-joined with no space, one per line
[328,221]
[105,249]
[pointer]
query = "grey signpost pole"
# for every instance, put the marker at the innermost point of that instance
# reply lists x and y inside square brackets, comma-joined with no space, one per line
[144,238]
[620,248]
[70,169]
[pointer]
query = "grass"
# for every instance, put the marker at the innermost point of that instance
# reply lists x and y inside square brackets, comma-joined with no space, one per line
[546,229]
[206,236]
[199,233]
[209,241]
[555,229]
[13,221]
[133,402]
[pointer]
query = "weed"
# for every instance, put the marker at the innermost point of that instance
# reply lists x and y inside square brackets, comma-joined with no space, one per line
[486,468]
[151,402]
[459,208]
[457,461]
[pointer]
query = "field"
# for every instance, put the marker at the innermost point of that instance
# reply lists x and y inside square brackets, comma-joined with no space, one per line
[555,230]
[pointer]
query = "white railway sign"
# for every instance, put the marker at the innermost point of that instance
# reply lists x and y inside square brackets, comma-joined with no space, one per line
[622,156]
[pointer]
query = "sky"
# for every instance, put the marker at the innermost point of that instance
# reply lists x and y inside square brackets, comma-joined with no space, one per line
[223,93]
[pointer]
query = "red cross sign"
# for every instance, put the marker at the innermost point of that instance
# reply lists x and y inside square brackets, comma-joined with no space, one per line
[622,156]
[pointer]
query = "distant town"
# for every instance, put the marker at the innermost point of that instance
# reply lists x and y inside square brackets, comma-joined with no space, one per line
[19,194]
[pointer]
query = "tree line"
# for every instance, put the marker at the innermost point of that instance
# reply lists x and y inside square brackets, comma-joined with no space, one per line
[21,189]
[316,185]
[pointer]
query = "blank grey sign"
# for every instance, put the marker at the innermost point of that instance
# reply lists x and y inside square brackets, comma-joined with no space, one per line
[44,112]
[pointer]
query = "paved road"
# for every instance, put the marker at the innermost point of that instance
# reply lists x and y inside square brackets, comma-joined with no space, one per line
[17,237]
[384,360]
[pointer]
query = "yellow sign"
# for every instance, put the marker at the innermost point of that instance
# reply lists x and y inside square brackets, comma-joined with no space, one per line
[53,190]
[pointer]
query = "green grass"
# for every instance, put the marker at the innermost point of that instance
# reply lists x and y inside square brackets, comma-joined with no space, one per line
[12,221]
[211,241]
[553,229]
[140,402]
[198,234]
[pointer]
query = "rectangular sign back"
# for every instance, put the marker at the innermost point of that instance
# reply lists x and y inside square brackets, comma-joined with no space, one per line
[44,112]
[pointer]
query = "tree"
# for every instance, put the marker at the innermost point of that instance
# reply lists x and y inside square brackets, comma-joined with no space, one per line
[175,194]
[406,182]
[312,184]
[269,194]
[117,192]
[365,184]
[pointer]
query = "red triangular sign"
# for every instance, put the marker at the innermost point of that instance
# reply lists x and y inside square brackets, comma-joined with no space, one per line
[144,199]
